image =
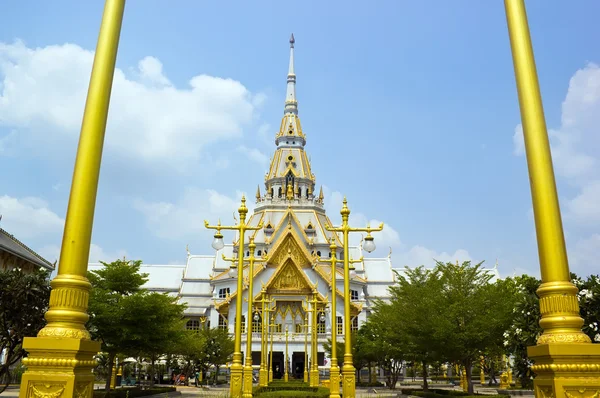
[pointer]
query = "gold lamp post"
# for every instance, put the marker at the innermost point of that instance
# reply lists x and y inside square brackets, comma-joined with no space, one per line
[235,389]
[61,357]
[271,326]
[285,374]
[263,376]
[314,364]
[566,362]
[348,370]
[305,326]
[334,372]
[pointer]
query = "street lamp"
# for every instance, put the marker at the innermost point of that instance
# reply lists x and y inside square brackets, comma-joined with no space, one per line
[348,370]
[305,326]
[263,376]
[285,375]
[271,326]
[235,389]
[334,371]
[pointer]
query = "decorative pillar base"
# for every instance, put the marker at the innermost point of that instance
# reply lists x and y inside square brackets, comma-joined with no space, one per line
[463,381]
[60,367]
[504,381]
[482,378]
[247,381]
[348,382]
[566,370]
[263,377]
[306,375]
[270,375]
[236,379]
[314,378]
[334,382]
[286,377]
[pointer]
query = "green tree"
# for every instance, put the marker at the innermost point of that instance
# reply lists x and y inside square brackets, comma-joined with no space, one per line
[112,321]
[24,298]
[589,304]
[155,326]
[409,324]
[476,313]
[524,328]
[217,349]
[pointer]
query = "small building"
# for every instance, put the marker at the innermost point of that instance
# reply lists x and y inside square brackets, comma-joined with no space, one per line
[14,253]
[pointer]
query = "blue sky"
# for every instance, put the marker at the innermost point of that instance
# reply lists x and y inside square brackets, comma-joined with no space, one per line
[410,110]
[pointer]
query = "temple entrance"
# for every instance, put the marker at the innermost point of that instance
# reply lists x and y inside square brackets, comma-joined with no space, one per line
[278,365]
[298,365]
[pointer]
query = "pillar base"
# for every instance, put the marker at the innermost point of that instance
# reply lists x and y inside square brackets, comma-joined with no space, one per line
[348,382]
[236,379]
[263,377]
[60,367]
[334,382]
[286,377]
[247,382]
[314,378]
[270,375]
[306,375]
[566,370]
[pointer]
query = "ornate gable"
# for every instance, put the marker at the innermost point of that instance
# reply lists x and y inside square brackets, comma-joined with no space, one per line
[288,247]
[289,279]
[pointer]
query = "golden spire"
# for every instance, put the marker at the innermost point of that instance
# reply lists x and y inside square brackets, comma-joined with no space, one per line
[258,193]
[321,196]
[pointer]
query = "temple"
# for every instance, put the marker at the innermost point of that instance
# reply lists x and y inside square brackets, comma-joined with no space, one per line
[292,249]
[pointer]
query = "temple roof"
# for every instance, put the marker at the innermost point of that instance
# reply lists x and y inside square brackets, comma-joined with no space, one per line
[15,247]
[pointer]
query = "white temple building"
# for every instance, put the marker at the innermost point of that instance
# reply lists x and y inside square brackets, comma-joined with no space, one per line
[292,250]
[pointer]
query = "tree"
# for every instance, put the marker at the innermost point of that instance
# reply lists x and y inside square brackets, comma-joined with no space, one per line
[524,328]
[589,304]
[108,312]
[190,349]
[217,349]
[155,325]
[409,323]
[476,313]
[24,298]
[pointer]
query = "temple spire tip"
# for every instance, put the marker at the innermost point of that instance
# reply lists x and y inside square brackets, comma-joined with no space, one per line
[292,41]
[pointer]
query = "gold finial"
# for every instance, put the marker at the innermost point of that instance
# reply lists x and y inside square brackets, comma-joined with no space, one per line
[243,209]
[345,210]
[321,196]
[251,245]
[258,193]
[332,246]
[290,193]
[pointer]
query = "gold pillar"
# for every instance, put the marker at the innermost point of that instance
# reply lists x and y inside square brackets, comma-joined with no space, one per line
[271,326]
[248,363]
[113,377]
[263,375]
[314,365]
[481,372]
[61,357]
[463,380]
[236,369]
[566,363]
[348,370]
[286,357]
[305,325]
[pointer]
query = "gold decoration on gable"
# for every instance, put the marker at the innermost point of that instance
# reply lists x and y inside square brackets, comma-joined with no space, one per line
[289,248]
[289,279]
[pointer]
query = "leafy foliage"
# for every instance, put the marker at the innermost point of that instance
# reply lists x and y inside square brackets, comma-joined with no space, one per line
[24,298]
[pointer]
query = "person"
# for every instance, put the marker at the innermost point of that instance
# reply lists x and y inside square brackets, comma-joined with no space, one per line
[197,376]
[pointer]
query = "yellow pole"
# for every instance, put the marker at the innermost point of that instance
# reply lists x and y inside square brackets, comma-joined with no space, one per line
[272,325]
[285,375]
[482,373]
[236,369]
[65,338]
[314,368]
[334,371]
[248,365]
[263,375]
[562,347]
[306,348]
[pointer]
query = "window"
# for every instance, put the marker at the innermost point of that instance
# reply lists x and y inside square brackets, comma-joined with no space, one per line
[299,328]
[319,253]
[340,325]
[260,252]
[257,325]
[222,322]
[354,326]
[278,327]
[243,324]
[321,324]
[224,292]
[354,295]
[192,324]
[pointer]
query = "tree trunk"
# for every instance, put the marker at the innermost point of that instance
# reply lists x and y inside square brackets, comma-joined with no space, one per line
[358,374]
[216,373]
[425,384]
[152,371]
[468,372]
[111,364]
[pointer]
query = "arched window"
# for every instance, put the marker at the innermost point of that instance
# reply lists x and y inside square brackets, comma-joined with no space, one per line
[260,252]
[280,192]
[289,180]
[319,253]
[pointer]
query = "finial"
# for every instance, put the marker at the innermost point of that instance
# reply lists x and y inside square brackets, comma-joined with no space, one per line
[321,196]
[345,210]
[258,193]
[243,209]
[292,41]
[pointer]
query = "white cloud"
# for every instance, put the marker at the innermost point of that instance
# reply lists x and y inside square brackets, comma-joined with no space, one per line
[29,217]
[419,255]
[185,219]
[518,141]
[97,253]
[584,255]
[576,155]
[44,90]
[254,155]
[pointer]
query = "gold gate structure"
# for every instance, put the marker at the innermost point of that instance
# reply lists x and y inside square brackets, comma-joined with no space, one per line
[61,359]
